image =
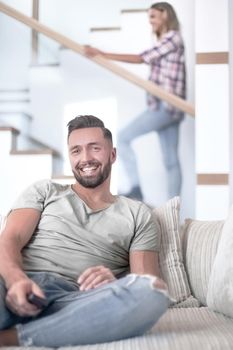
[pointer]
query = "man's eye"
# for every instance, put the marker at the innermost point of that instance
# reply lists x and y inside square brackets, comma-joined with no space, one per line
[75,151]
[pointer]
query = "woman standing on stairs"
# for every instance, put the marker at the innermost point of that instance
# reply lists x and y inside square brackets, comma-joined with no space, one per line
[167,69]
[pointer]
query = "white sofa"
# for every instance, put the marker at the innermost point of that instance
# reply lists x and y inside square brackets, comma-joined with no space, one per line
[189,261]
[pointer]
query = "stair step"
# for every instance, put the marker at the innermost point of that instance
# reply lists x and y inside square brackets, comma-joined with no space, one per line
[15,106]
[134,10]
[9,128]
[41,147]
[14,100]
[38,65]
[14,94]
[105,29]
[11,100]
[21,146]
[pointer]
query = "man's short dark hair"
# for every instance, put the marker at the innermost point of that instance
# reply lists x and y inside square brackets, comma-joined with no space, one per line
[88,121]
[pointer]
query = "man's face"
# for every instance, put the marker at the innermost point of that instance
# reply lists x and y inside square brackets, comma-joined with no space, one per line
[91,156]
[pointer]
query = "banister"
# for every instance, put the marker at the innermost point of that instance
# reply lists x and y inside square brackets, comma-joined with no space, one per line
[114,68]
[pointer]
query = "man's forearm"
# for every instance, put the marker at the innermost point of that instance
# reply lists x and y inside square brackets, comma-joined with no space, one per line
[20,225]
[11,267]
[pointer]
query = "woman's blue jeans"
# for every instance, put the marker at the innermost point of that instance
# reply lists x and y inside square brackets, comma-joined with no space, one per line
[122,309]
[162,122]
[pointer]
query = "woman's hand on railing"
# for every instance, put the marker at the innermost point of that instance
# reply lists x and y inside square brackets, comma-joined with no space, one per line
[90,51]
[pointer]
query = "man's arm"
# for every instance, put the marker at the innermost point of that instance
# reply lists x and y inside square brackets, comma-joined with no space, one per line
[128,58]
[20,226]
[144,262]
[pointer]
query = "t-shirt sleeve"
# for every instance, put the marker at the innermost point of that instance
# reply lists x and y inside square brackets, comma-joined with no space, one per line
[32,197]
[147,231]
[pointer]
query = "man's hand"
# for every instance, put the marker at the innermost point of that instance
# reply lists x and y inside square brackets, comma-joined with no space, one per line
[90,51]
[16,298]
[94,277]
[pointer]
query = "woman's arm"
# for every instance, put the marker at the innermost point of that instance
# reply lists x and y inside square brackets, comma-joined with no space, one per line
[128,58]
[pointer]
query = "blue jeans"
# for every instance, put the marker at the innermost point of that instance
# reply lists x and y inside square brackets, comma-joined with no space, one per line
[125,308]
[167,128]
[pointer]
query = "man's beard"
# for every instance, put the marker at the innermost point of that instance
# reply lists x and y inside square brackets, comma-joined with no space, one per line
[92,182]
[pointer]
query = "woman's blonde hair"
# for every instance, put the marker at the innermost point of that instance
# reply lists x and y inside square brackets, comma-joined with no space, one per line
[172,20]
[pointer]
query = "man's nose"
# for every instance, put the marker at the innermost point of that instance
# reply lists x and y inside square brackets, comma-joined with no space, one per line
[85,155]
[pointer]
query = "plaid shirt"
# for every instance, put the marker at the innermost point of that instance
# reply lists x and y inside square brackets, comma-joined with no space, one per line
[167,63]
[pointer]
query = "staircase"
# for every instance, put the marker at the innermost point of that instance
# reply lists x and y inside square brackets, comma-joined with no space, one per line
[21,153]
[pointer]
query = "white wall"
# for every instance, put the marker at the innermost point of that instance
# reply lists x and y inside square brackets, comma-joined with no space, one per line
[47,105]
[212,109]
[15,48]
[230,12]
[212,26]
[18,171]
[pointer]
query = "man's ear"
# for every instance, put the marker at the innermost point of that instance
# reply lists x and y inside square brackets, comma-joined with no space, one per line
[114,154]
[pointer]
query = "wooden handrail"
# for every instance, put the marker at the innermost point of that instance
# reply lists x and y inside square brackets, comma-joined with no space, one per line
[114,68]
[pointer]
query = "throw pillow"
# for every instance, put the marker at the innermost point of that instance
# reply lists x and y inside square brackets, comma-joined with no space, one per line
[200,243]
[170,255]
[220,288]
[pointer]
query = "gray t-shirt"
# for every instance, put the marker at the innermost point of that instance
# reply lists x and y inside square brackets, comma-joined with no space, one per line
[71,237]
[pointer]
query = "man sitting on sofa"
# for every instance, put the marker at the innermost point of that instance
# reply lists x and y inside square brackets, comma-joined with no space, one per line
[66,253]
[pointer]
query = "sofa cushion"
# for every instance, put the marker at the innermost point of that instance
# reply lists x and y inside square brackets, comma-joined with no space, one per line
[200,242]
[220,288]
[191,329]
[170,255]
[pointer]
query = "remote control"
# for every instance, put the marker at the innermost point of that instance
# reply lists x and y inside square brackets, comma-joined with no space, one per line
[41,303]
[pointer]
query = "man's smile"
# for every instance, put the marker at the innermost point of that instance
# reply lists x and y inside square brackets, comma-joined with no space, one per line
[88,169]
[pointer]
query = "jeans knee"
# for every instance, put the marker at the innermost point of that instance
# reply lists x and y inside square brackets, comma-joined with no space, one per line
[147,283]
[149,299]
